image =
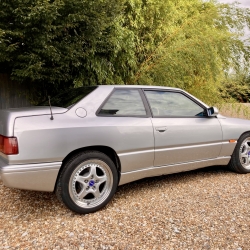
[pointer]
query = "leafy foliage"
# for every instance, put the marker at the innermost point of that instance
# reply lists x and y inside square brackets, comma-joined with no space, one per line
[62,40]
[188,44]
[237,86]
[191,44]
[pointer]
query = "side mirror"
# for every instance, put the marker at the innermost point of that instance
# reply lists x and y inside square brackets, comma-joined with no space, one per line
[213,111]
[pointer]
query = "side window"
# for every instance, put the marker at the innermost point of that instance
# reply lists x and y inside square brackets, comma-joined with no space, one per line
[165,103]
[124,102]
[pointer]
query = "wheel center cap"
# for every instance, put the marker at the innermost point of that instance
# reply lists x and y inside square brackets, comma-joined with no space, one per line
[91,183]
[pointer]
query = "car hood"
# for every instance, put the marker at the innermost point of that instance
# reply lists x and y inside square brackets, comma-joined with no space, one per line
[8,116]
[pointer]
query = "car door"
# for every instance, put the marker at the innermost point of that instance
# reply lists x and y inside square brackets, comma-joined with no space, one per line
[125,125]
[183,132]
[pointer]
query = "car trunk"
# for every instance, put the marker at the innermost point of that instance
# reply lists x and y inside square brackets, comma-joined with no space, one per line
[8,116]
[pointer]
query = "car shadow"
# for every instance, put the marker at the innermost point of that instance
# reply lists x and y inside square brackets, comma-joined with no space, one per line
[47,204]
[174,178]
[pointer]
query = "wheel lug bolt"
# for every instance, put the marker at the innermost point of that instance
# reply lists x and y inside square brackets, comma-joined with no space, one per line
[86,181]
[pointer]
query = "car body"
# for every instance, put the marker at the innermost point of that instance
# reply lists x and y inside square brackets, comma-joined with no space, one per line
[114,135]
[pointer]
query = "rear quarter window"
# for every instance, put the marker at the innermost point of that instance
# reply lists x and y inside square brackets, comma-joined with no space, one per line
[123,102]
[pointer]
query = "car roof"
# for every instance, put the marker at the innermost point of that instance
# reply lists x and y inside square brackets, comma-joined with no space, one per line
[138,86]
[152,87]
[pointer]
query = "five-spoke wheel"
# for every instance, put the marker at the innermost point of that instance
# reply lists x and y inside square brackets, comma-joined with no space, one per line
[88,182]
[244,153]
[240,161]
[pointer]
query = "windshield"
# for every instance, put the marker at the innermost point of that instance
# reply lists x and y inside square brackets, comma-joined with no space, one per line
[68,98]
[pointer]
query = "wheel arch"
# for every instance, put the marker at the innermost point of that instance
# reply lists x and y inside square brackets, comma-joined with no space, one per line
[235,163]
[110,152]
[245,132]
[240,136]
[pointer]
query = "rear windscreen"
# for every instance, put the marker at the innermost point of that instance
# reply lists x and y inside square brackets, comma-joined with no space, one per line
[68,98]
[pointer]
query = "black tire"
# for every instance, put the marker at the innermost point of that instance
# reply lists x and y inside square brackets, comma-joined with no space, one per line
[240,160]
[87,182]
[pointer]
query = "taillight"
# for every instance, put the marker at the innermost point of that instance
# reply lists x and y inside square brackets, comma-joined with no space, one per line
[8,145]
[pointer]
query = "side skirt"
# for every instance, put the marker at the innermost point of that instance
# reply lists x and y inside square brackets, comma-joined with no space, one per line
[170,169]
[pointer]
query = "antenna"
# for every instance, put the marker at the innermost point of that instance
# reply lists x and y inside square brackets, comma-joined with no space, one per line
[51,118]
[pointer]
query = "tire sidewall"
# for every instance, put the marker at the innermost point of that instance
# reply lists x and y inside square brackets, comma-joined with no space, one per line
[236,155]
[69,168]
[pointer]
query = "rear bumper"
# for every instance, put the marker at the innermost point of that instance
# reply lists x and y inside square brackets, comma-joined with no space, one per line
[2,163]
[39,177]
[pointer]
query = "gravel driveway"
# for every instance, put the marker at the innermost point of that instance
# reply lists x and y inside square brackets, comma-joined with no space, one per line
[202,209]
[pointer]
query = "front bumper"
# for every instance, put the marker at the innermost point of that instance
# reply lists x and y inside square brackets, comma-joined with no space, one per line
[39,177]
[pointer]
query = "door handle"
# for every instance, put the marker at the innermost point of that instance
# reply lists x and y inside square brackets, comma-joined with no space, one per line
[161,129]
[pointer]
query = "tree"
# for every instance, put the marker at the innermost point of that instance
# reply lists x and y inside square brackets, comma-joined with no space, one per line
[63,41]
[187,44]
[191,44]
[237,86]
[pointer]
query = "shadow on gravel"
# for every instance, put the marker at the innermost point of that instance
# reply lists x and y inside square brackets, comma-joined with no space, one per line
[172,179]
[44,202]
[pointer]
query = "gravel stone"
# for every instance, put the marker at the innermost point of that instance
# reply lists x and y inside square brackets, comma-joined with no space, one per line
[24,234]
[71,234]
[176,231]
[203,209]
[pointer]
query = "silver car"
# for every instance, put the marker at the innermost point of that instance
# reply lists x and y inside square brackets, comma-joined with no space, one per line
[93,139]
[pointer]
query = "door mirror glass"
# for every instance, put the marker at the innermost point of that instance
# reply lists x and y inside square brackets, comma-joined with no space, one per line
[213,111]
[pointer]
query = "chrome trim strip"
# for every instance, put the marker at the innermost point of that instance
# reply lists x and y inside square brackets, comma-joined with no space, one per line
[171,148]
[30,167]
[227,142]
[137,152]
[186,147]
[175,168]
